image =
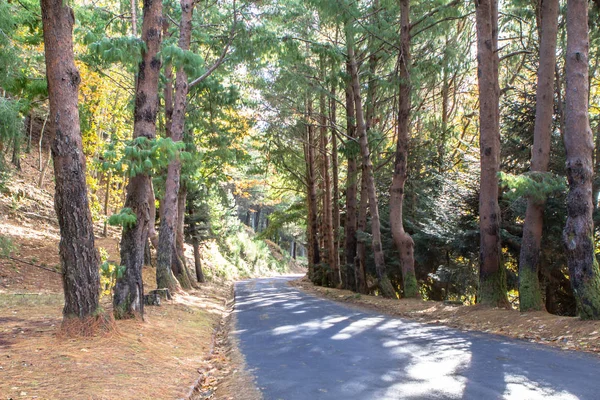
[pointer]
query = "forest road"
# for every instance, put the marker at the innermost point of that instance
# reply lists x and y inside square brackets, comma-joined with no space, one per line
[299,347]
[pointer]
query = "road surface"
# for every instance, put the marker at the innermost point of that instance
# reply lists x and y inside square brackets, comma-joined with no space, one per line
[300,347]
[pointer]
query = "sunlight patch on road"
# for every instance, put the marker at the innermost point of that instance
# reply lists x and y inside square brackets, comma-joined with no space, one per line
[357,328]
[520,387]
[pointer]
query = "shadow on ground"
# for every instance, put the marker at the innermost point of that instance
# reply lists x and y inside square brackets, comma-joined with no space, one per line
[302,347]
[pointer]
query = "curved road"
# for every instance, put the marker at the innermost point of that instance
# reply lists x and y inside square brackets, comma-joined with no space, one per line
[300,347]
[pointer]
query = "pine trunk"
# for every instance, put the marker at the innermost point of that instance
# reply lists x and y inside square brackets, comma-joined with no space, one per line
[360,273]
[578,234]
[78,256]
[350,246]
[383,281]
[314,258]
[530,294]
[128,299]
[332,271]
[492,277]
[336,191]
[166,238]
[403,241]
[198,261]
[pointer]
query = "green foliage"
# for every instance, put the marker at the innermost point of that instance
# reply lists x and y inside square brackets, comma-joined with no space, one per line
[191,62]
[6,246]
[125,50]
[12,123]
[144,156]
[125,218]
[534,185]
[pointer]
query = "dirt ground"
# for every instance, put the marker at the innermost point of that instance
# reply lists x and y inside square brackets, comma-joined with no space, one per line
[567,333]
[179,351]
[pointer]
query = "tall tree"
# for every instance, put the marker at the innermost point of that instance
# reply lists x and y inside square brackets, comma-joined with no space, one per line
[530,296]
[166,238]
[404,242]
[578,235]
[383,281]
[492,276]
[129,291]
[79,259]
[350,224]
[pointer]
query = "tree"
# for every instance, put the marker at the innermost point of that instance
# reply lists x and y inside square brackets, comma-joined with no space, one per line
[404,242]
[529,288]
[129,291]
[79,259]
[578,234]
[492,278]
[367,169]
[166,238]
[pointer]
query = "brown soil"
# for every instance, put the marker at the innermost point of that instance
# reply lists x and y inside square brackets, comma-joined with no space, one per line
[567,333]
[174,353]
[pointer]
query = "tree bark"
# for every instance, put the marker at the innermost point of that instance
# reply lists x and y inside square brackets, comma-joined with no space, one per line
[403,241]
[492,276]
[128,300]
[578,234]
[350,247]
[336,189]
[360,275]
[198,261]
[314,258]
[166,239]
[329,256]
[179,265]
[530,295]
[78,256]
[384,283]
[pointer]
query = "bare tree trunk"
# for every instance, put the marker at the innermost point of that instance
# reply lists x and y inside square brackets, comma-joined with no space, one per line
[578,234]
[106,199]
[492,276]
[45,169]
[198,261]
[350,281]
[530,295]
[166,239]
[403,241]
[179,265]
[384,283]
[134,18]
[128,300]
[328,236]
[78,256]
[336,189]
[314,257]
[360,275]
[40,142]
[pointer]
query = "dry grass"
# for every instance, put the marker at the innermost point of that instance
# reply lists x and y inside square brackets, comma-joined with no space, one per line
[155,359]
[541,327]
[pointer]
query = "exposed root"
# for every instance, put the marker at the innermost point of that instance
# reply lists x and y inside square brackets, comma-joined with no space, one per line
[99,325]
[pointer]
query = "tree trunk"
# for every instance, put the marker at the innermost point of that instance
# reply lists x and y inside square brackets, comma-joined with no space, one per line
[492,276]
[78,256]
[384,284]
[179,265]
[360,275]
[166,239]
[332,271]
[578,234]
[198,261]
[314,258]
[530,295]
[128,300]
[336,189]
[351,194]
[106,199]
[403,241]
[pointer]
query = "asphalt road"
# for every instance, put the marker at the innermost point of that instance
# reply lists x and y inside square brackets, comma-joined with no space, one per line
[300,347]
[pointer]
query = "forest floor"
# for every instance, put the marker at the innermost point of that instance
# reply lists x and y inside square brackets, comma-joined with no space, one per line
[181,350]
[568,333]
